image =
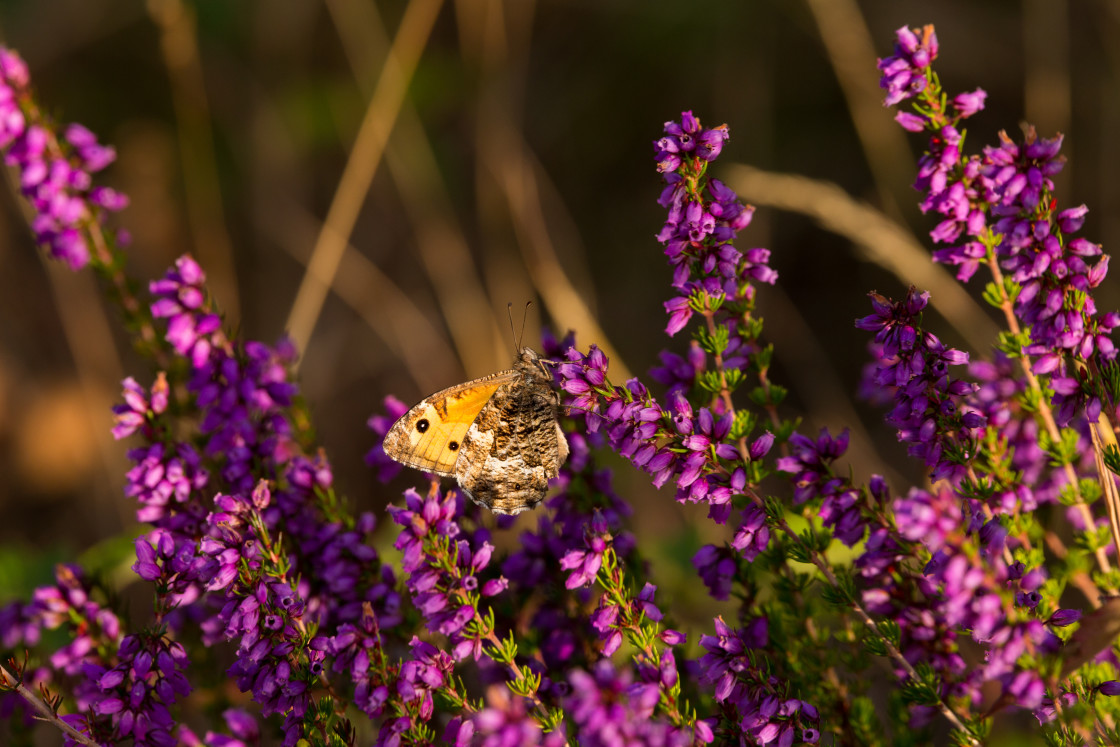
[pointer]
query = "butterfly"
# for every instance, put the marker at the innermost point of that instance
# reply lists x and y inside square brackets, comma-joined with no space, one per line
[497,436]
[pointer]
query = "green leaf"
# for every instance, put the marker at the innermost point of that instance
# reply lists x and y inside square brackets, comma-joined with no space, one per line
[1112,458]
[993,294]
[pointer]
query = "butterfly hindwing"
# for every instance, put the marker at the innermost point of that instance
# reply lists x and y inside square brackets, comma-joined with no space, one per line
[514,447]
[429,436]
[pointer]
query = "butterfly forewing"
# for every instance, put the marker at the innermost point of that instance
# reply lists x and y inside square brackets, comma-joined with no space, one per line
[429,436]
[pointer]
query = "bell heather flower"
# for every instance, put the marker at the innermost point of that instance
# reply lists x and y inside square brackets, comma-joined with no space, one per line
[262,611]
[585,564]
[385,467]
[505,721]
[167,476]
[747,695]
[443,571]
[180,297]
[699,228]
[1000,209]
[55,174]
[607,708]
[243,398]
[136,693]
[691,447]
[969,598]
[905,73]
[931,410]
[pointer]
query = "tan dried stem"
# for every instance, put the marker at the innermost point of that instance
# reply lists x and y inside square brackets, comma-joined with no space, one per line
[365,157]
[1102,435]
[202,190]
[851,52]
[519,180]
[513,185]
[387,310]
[882,240]
[475,329]
[1045,413]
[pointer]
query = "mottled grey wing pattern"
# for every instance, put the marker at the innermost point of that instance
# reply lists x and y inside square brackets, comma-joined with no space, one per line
[515,445]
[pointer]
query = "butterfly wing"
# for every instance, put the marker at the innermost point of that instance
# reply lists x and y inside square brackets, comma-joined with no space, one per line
[429,435]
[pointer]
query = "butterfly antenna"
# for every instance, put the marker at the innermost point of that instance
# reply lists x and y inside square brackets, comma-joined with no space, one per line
[512,328]
[524,318]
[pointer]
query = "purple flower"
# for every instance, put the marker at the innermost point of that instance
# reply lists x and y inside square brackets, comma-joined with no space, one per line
[1110,688]
[385,468]
[181,298]
[904,74]
[717,569]
[442,569]
[1004,199]
[55,175]
[968,104]
[135,695]
[931,409]
[747,695]
[503,723]
[607,707]
[753,535]
[585,564]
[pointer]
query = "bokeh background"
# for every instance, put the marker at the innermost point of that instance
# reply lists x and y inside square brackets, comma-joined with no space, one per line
[385,207]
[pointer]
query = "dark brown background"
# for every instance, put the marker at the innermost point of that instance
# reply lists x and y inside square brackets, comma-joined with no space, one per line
[520,168]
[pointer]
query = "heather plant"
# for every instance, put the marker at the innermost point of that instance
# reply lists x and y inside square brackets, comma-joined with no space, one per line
[856,612]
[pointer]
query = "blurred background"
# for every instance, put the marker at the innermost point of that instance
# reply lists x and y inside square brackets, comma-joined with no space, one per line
[382,178]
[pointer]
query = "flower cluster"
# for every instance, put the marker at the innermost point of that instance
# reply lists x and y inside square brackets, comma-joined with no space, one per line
[998,207]
[704,217]
[180,297]
[690,446]
[137,693]
[444,571]
[55,174]
[751,701]
[931,410]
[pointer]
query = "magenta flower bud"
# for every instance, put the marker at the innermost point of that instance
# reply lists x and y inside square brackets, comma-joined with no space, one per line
[910,122]
[668,670]
[968,104]
[679,314]
[672,637]
[1110,687]
[1070,220]
[668,163]
[495,586]
[1064,617]
[696,442]
[761,446]
[1082,247]
[108,706]
[710,142]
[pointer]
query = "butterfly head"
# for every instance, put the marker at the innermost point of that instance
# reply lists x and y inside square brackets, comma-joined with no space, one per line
[531,364]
